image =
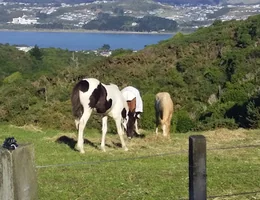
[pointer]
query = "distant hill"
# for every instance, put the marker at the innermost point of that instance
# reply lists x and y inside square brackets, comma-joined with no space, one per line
[171,2]
[52,1]
[209,2]
[127,23]
[193,2]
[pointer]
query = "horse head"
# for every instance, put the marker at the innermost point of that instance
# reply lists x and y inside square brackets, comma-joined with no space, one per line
[135,106]
[129,121]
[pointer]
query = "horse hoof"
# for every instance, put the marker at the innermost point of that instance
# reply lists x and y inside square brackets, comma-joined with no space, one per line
[103,149]
[79,149]
[126,149]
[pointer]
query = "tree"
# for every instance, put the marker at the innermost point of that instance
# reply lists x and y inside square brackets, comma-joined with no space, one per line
[105,47]
[36,53]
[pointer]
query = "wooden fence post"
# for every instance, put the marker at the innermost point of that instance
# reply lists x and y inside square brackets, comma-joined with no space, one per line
[18,173]
[197,168]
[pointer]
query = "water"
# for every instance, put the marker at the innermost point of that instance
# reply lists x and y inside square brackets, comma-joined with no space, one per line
[81,41]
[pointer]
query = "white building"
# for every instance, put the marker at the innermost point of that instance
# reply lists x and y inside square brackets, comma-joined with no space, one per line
[24,20]
[25,49]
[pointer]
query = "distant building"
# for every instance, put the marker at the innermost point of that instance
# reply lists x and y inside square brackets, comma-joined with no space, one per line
[25,49]
[24,20]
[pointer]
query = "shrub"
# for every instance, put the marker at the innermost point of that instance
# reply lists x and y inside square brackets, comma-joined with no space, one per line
[13,77]
[253,114]
[183,122]
[213,123]
[147,120]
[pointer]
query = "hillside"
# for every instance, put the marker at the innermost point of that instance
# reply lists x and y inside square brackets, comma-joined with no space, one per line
[212,75]
[121,15]
[208,2]
[171,2]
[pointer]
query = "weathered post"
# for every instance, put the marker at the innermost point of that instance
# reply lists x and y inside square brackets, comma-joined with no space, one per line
[18,174]
[197,168]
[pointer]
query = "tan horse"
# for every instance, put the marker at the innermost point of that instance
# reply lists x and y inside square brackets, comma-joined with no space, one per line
[164,111]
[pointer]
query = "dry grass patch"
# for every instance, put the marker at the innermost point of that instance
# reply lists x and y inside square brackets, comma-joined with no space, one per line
[219,136]
[29,127]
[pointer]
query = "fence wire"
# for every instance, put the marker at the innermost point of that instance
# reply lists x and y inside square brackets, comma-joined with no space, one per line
[142,157]
[229,195]
[168,154]
[233,195]
[114,160]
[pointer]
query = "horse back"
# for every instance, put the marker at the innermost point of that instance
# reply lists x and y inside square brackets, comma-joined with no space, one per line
[163,102]
[93,94]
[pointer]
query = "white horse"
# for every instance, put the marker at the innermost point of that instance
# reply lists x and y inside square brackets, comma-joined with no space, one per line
[90,94]
[135,105]
[164,111]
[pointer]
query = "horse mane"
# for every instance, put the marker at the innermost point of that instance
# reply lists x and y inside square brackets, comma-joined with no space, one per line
[77,108]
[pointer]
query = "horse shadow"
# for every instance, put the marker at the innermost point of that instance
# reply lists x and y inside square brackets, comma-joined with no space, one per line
[71,142]
[141,135]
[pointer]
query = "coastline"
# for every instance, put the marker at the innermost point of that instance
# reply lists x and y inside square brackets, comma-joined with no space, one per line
[84,31]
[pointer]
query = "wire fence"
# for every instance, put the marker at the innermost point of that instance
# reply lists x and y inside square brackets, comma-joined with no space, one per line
[142,157]
[212,149]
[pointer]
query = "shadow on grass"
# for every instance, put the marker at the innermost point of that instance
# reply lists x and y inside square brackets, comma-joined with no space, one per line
[119,145]
[71,142]
[139,135]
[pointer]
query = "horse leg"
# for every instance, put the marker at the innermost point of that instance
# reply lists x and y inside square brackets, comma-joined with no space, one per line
[169,124]
[104,131]
[120,133]
[157,122]
[136,127]
[81,126]
[77,124]
[164,128]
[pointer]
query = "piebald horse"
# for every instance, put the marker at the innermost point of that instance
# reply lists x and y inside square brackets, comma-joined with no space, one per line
[164,111]
[90,94]
[135,105]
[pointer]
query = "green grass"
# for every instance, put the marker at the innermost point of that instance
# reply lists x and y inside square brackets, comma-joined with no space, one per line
[160,172]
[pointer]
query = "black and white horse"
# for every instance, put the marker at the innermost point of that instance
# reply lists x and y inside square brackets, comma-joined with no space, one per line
[90,94]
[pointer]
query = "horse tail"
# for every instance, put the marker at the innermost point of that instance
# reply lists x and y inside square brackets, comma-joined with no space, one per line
[77,108]
[159,105]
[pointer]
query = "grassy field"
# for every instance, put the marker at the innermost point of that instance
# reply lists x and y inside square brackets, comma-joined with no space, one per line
[153,168]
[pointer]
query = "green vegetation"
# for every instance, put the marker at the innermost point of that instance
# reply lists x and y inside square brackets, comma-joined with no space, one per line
[153,168]
[211,74]
[106,22]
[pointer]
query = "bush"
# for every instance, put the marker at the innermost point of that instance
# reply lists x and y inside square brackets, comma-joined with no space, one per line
[214,123]
[147,120]
[183,122]
[12,78]
[253,114]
